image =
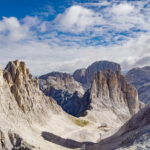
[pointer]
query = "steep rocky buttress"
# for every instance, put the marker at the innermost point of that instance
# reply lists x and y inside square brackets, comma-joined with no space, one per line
[112,98]
[85,76]
[25,89]
[21,105]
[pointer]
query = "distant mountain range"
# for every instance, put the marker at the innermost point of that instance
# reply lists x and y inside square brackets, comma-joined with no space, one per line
[93,91]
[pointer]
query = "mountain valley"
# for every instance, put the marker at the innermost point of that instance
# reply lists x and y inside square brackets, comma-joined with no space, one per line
[67,115]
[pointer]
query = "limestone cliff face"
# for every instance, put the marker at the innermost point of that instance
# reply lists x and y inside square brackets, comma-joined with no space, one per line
[60,80]
[110,100]
[79,75]
[110,94]
[24,90]
[85,76]
[18,79]
[21,105]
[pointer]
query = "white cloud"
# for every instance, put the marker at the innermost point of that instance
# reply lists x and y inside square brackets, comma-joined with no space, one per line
[116,17]
[122,9]
[12,29]
[42,57]
[76,19]
[19,39]
[31,21]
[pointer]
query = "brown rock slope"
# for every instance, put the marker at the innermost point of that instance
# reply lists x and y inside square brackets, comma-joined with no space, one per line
[26,91]
[112,99]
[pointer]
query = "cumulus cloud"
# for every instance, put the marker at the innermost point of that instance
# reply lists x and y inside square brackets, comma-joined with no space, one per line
[41,57]
[76,19]
[12,29]
[75,38]
[107,17]
[122,9]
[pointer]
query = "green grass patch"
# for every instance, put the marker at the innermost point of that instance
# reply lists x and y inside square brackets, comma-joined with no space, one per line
[79,122]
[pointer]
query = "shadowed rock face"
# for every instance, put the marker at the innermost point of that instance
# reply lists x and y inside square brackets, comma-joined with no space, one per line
[85,76]
[140,78]
[64,89]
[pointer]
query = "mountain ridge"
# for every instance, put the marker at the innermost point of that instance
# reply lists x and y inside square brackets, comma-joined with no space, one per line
[140,78]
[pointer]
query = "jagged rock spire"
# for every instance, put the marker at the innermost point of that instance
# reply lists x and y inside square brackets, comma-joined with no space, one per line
[25,88]
[111,91]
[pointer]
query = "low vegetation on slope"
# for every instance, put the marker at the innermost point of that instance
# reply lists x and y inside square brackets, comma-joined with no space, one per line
[79,122]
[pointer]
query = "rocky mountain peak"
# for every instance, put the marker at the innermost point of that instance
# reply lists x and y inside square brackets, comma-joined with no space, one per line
[85,76]
[60,80]
[24,87]
[18,77]
[110,91]
[105,65]
[26,111]
[16,71]
[60,86]
[63,76]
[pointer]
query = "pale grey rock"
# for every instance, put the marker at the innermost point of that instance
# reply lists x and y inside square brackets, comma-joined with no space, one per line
[133,135]
[3,143]
[14,141]
[24,108]
[21,104]
[64,89]
[61,81]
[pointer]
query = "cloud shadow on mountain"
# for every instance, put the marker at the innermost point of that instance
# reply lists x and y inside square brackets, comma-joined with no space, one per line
[68,143]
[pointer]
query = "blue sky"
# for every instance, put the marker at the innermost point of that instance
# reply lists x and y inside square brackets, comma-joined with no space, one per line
[62,35]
